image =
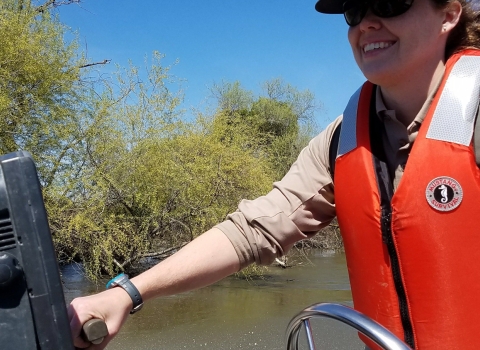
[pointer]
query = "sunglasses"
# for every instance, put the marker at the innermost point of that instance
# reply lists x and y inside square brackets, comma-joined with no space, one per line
[355,10]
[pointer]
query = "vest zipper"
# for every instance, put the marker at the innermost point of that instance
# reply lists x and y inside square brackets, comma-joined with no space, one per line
[387,235]
[385,188]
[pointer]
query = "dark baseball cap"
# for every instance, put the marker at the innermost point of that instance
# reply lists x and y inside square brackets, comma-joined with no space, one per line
[330,6]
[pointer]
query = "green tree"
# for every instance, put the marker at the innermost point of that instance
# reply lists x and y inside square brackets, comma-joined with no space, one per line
[40,86]
[124,175]
[272,127]
[151,181]
[275,126]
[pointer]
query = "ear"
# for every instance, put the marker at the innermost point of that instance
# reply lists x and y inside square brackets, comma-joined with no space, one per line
[452,15]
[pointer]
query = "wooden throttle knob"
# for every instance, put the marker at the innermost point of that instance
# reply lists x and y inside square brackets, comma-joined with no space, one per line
[94,330]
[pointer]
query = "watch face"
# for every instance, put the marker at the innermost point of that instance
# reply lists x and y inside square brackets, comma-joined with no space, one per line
[116,280]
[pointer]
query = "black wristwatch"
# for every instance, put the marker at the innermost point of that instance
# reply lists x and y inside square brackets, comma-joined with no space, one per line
[123,281]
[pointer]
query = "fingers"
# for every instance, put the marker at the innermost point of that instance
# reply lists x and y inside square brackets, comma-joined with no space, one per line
[80,311]
[76,329]
[111,306]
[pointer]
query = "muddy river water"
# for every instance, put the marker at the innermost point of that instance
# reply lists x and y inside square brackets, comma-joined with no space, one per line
[234,313]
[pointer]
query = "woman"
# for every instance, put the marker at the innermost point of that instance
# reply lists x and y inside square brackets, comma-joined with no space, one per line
[407,258]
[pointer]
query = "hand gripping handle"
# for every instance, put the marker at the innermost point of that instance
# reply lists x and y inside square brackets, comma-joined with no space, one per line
[94,331]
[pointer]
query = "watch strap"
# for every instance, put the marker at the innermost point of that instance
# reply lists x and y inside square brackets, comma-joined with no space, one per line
[130,288]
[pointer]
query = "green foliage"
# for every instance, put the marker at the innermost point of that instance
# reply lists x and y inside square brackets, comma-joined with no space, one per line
[123,173]
[274,127]
[39,86]
[232,97]
[252,272]
[150,180]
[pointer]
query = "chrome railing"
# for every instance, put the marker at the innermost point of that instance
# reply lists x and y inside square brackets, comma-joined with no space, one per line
[365,325]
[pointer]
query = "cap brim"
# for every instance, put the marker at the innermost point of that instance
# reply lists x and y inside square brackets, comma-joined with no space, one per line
[330,6]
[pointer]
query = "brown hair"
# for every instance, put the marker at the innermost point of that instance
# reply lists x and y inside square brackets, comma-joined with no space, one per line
[466,33]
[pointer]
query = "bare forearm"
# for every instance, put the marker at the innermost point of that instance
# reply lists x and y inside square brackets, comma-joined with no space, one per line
[205,260]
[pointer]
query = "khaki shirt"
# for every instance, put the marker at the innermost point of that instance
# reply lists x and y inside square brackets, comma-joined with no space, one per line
[303,201]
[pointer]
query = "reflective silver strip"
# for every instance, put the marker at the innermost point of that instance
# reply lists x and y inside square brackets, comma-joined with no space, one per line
[455,113]
[348,133]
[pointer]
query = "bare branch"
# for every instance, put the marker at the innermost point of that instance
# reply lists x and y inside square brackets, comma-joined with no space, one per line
[120,266]
[54,3]
[95,63]
[148,255]
[183,225]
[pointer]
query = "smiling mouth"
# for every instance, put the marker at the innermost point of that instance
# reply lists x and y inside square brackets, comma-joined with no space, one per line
[377,45]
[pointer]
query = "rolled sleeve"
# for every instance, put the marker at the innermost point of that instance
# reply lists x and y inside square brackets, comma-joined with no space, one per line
[297,207]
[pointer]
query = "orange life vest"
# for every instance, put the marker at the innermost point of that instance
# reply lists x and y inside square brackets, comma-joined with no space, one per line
[414,256]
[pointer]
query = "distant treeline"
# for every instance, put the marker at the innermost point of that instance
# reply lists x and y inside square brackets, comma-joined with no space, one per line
[124,173]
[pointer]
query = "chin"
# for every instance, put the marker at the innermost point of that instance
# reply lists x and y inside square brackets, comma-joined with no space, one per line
[379,76]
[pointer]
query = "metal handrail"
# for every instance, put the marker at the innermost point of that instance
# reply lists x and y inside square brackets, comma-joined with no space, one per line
[365,325]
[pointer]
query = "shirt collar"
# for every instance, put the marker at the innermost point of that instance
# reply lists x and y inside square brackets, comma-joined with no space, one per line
[383,112]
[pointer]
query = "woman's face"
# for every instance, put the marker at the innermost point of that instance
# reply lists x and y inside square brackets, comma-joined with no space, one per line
[390,50]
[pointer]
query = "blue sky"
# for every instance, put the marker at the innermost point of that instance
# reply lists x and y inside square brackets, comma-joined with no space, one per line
[246,40]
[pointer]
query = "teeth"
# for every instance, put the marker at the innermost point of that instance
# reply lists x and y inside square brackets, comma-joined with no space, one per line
[378,45]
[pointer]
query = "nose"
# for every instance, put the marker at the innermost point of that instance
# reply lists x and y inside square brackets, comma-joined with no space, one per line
[369,22]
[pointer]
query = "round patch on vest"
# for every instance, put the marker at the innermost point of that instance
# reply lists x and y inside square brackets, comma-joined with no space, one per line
[444,193]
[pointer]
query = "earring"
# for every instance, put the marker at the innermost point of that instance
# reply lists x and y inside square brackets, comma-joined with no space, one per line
[444,28]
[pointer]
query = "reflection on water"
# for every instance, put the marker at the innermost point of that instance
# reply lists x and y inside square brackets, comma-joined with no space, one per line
[236,314]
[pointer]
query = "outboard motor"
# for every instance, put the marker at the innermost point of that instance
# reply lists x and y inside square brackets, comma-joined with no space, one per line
[32,306]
